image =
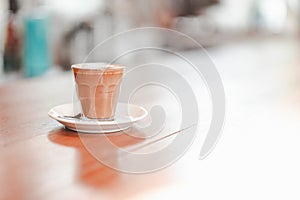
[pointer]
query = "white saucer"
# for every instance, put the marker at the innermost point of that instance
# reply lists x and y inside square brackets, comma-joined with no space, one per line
[125,116]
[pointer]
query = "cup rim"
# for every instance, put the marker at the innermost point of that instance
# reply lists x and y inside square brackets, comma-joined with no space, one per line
[97,66]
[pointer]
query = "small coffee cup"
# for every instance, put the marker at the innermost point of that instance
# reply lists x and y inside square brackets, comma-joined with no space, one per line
[98,86]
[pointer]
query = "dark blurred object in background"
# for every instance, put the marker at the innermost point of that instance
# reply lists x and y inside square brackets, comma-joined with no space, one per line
[191,7]
[83,32]
[168,11]
[13,6]
[12,44]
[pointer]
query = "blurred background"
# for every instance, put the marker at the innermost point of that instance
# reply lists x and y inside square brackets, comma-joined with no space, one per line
[44,37]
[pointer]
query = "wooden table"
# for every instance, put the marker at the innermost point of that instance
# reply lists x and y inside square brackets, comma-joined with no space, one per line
[257,157]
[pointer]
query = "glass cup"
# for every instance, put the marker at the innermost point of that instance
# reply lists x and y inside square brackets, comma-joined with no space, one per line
[98,86]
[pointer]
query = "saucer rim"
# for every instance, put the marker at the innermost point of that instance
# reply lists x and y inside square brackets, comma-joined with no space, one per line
[54,115]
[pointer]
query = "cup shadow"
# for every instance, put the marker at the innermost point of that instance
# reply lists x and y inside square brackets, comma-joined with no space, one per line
[91,171]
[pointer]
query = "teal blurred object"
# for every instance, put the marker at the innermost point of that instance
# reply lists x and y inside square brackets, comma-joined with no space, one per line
[36,47]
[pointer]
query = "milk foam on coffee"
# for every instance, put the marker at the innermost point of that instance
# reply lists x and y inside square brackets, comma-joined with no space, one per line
[98,87]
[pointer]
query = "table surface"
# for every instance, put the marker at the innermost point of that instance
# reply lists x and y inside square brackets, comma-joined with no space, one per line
[257,156]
